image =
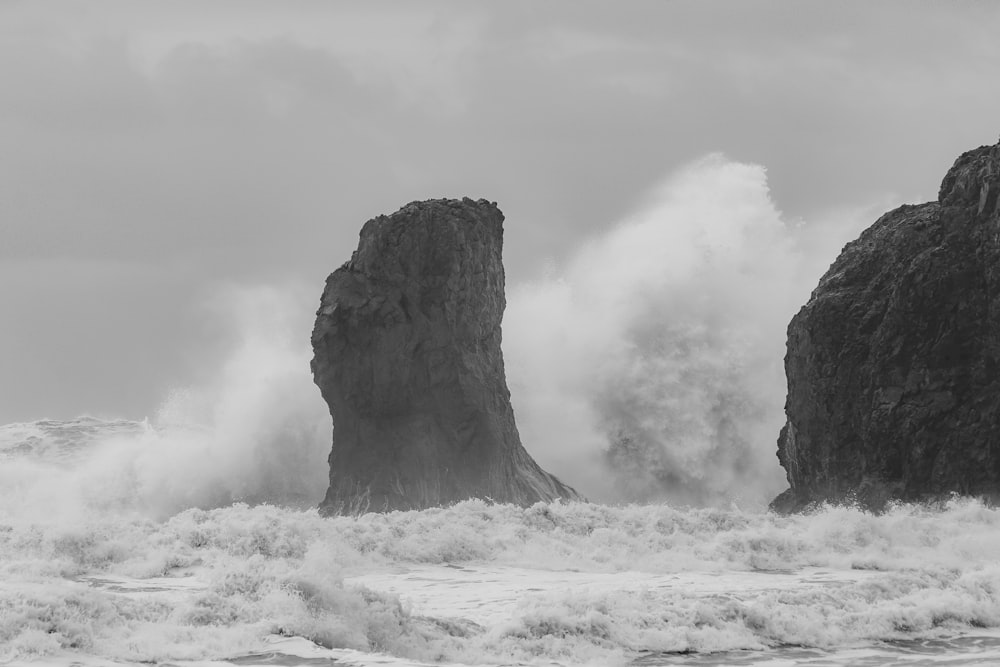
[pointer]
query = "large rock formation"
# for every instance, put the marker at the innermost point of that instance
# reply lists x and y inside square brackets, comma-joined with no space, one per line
[407,355]
[892,365]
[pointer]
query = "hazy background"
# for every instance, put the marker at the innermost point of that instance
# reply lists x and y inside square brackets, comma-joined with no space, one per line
[177,180]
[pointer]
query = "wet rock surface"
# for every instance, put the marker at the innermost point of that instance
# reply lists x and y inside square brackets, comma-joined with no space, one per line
[407,355]
[892,365]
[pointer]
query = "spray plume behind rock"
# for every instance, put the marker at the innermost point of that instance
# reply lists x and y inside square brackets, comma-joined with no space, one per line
[649,368]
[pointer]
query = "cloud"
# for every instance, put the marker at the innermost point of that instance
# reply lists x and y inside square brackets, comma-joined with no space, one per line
[218,152]
[249,141]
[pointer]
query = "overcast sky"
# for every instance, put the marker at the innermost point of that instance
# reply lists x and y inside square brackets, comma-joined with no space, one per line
[156,153]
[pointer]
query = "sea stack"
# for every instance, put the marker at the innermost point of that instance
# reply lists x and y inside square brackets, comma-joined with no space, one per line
[407,355]
[892,365]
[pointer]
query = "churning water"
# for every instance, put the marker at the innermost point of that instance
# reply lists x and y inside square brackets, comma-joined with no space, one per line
[647,369]
[90,575]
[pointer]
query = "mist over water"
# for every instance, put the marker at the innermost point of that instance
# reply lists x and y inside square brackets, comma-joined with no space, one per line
[647,368]
[259,431]
[255,431]
[650,366]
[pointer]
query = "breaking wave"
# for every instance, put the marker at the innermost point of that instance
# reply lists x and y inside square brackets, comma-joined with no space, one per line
[89,574]
[256,431]
[216,583]
[649,367]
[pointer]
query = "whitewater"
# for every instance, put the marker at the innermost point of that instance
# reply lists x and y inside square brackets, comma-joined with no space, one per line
[480,583]
[645,371]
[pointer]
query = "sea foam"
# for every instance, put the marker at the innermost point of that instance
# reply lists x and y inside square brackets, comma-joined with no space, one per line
[576,583]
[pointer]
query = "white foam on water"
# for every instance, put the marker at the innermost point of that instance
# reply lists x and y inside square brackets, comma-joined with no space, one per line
[476,583]
[491,595]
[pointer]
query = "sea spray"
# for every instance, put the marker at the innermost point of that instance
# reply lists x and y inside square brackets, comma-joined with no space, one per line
[254,431]
[650,366]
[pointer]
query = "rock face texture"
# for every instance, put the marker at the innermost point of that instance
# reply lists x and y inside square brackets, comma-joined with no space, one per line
[407,355]
[893,365]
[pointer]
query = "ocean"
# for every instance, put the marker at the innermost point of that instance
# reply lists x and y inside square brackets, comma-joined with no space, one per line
[114,553]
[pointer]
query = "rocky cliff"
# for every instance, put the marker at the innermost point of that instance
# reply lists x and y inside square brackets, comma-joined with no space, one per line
[407,355]
[892,365]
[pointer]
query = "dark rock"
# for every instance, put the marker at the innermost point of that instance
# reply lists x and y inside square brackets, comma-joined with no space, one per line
[407,355]
[892,365]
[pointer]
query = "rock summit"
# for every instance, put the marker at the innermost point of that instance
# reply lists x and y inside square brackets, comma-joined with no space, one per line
[407,355]
[893,365]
